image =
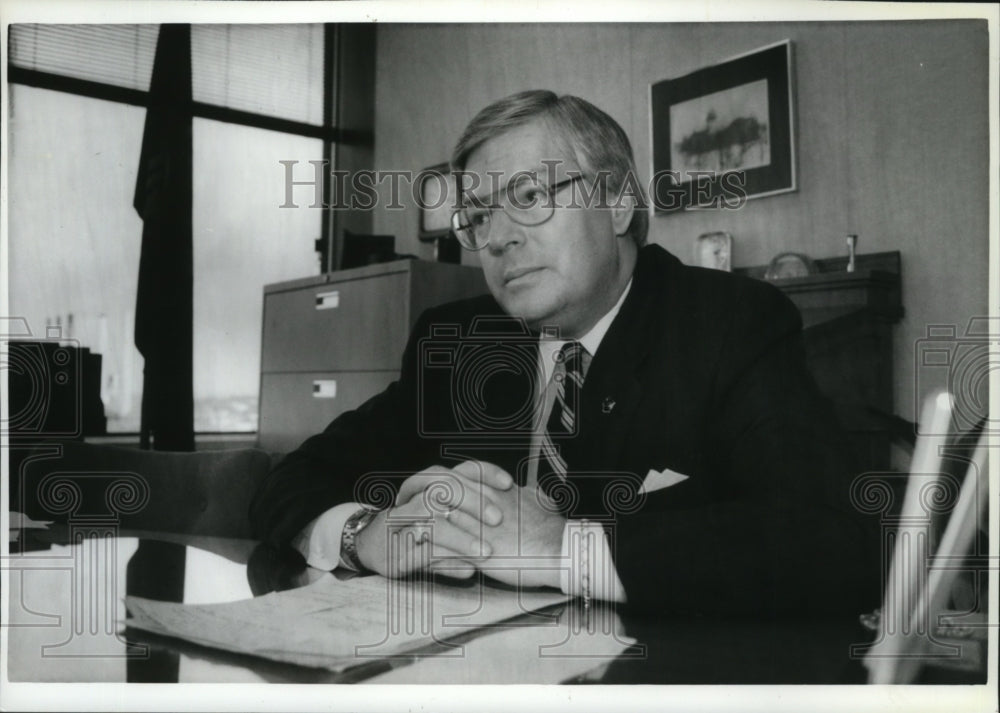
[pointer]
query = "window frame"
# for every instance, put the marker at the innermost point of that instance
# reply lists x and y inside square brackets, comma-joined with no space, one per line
[329,133]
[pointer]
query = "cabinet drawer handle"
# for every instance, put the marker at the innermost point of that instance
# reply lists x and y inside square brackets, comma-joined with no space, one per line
[328,300]
[325,389]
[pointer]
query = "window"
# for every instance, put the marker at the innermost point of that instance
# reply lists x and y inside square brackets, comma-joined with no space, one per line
[242,241]
[272,70]
[74,237]
[119,55]
[77,95]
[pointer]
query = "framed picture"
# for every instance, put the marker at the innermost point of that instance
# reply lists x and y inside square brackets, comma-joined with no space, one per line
[436,200]
[724,133]
[714,250]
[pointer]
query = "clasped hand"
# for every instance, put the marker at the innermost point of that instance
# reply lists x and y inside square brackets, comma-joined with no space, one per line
[457,520]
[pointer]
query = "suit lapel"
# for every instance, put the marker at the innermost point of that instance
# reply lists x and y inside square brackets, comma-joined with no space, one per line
[496,380]
[512,401]
[612,390]
[609,404]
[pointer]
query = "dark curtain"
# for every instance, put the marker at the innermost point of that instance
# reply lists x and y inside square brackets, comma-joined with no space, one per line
[163,197]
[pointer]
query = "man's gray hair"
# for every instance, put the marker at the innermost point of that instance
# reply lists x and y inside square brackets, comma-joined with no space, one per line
[597,141]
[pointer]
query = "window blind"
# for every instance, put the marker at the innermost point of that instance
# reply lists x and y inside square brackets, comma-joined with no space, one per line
[121,55]
[274,70]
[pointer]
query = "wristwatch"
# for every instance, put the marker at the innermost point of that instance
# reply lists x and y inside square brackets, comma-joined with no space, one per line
[349,538]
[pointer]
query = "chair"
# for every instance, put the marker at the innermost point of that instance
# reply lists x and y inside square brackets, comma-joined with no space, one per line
[203,493]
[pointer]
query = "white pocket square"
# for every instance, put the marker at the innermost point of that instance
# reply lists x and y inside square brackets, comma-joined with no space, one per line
[659,480]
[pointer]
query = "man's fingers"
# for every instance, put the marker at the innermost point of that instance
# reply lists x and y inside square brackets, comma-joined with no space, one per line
[413,485]
[445,484]
[470,524]
[479,473]
[422,553]
[447,539]
[416,549]
[456,532]
[485,473]
[459,569]
[443,490]
[473,505]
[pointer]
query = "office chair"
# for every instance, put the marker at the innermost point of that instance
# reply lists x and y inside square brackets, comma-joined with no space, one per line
[202,493]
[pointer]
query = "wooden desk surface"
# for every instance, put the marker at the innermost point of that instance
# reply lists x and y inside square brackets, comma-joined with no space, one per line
[65,571]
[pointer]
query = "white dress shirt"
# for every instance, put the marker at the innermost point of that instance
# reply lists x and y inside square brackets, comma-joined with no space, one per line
[319,541]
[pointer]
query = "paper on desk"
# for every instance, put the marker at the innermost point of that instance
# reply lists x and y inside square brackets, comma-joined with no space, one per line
[528,655]
[337,624]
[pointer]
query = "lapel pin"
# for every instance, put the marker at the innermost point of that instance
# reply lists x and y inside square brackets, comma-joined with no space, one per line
[607,405]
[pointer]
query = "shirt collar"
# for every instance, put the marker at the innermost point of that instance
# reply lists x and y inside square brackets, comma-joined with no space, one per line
[591,341]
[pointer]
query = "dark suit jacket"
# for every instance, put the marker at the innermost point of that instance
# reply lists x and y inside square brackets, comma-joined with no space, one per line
[701,372]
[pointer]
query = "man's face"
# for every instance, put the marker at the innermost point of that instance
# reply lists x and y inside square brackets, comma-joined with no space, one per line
[567,272]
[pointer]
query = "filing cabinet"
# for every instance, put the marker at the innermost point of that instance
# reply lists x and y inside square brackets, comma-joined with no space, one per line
[332,341]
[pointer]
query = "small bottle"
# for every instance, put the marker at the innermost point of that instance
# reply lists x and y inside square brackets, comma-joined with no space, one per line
[852,244]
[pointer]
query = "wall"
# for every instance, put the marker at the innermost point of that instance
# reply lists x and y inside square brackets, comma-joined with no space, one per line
[892,136]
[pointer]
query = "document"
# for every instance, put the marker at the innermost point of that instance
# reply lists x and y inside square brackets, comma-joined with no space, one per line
[336,624]
[526,655]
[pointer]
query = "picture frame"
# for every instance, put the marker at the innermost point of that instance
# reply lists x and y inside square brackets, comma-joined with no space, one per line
[724,133]
[436,200]
[436,191]
[714,250]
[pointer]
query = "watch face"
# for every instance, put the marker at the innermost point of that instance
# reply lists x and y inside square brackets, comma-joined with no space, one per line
[713,250]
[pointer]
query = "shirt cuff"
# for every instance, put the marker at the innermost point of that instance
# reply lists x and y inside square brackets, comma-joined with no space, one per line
[319,541]
[600,565]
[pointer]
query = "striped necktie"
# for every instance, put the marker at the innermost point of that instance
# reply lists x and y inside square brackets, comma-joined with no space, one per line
[567,381]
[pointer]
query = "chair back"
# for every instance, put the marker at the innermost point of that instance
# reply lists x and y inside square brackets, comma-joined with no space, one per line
[201,493]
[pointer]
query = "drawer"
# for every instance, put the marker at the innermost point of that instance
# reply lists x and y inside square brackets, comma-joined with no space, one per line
[348,326]
[296,406]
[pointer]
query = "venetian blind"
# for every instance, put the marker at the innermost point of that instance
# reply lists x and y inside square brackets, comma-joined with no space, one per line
[274,70]
[121,55]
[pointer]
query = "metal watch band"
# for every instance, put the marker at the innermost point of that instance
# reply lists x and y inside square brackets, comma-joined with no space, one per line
[349,538]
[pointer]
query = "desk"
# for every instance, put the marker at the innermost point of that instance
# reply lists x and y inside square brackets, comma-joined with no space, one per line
[68,567]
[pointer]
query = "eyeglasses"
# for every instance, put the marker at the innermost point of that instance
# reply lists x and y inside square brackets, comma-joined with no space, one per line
[528,203]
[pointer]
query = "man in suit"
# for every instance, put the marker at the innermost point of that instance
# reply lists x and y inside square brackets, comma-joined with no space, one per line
[607,421]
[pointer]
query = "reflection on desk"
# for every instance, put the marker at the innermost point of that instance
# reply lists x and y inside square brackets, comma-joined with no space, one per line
[64,572]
